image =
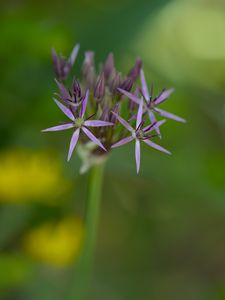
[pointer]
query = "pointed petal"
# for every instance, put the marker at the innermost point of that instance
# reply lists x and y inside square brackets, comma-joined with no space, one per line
[139,114]
[133,117]
[65,95]
[97,123]
[163,96]
[65,110]
[84,104]
[123,142]
[153,120]
[132,97]
[169,115]
[153,126]
[73,55]
[73,142]
[155,146]
[93,138]
[137,154]
[144,86]
[56,64]
[59,127]
[123,122]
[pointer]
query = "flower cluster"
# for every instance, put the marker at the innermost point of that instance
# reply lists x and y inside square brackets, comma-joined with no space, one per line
[95,104]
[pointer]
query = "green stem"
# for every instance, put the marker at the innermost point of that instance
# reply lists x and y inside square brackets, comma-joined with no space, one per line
[84,267]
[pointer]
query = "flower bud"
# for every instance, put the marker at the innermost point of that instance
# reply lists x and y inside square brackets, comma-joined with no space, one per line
[127,84]
[115,83]
[100,87]
[88,69]
[108,68]
[135,71]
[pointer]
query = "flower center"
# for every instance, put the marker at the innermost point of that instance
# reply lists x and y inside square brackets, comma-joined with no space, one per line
[140,134]
[78,122]
[150,105]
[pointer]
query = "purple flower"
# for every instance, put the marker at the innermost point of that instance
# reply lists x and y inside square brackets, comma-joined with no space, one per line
[104,92]
[150,105]
[140,133]
[80,124]
[62,67]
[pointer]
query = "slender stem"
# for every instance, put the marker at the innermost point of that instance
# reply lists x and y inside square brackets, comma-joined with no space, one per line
[84,267]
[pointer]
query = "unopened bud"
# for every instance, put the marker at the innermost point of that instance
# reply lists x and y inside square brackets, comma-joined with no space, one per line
[100,87]
[109,66]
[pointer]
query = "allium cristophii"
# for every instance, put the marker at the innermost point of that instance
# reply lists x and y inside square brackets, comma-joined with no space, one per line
[106,95]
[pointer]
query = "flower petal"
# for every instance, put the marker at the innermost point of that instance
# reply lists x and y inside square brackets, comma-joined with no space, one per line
[84,104]
[153,120]
[155,146]
[123,122]
[130,96]
[123,142]
[163,96]
[144,86]
[73,142]
[139,114]
[97,123]
[64,94]
[73,55]
[93,138]
[137,154]
[153,126]
[169,115]
[59,127]
[65,110]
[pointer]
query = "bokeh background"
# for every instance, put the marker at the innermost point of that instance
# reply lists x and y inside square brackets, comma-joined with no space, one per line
[162,233]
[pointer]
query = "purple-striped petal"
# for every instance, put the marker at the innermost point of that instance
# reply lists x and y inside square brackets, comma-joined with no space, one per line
[137,154]
[163,96]
[139,114]
[152,126]
[123,142]
[59,127]
[84,104]
[132,97]
[65,95]
[153,120]
[123,122]
[93,138]
[65,110]
[169,115]
[73,142]
[144,86]
[97,123]
[155,146]
[73,55]
[56,63]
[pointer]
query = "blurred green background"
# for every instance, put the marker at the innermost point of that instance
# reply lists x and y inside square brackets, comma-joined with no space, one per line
[162,233]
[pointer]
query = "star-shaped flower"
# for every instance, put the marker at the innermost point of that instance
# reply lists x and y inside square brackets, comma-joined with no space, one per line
[140,133]
[151,103]
[80,124]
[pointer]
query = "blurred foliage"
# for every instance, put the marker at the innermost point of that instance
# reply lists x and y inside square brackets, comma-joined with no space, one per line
[161,233]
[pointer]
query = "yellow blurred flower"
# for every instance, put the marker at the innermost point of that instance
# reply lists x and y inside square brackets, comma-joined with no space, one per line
[28,176]
[56,244]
